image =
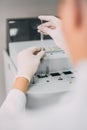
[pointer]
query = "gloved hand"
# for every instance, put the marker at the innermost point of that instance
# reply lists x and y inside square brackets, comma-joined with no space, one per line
[53,28]
[28,61]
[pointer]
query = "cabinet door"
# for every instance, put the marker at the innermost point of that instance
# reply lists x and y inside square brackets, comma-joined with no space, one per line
[9,72]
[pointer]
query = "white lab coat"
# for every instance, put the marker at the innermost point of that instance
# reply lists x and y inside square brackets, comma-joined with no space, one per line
[69,114]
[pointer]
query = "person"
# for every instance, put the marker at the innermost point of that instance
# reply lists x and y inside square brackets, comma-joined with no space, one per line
[28,62]
[73,114]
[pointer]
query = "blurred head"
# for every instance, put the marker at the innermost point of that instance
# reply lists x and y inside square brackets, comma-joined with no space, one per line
[73,15]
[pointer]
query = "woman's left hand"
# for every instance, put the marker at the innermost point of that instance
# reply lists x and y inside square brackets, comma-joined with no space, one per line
[28,61]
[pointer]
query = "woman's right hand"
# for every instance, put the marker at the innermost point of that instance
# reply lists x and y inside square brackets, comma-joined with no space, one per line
[52,28]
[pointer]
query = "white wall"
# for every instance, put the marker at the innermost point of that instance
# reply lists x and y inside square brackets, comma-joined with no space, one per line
[14,9]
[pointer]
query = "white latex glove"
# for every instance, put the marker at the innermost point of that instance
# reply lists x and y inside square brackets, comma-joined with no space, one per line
[53,28]
[28,61]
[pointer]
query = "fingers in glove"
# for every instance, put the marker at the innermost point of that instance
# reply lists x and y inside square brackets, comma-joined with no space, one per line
[47,18]
[41,54]
[39,31]
[35,49]
[47,24]
[45,30]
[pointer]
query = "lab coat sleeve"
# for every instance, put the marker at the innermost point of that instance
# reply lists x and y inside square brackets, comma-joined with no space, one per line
[14,103]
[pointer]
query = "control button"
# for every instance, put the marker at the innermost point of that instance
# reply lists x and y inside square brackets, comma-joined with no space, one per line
[68,72]
[55,74]
[72,77]
[47,81]
[42,76]
[60,78]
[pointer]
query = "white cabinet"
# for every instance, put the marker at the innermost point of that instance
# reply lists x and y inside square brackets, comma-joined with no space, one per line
[10,72]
